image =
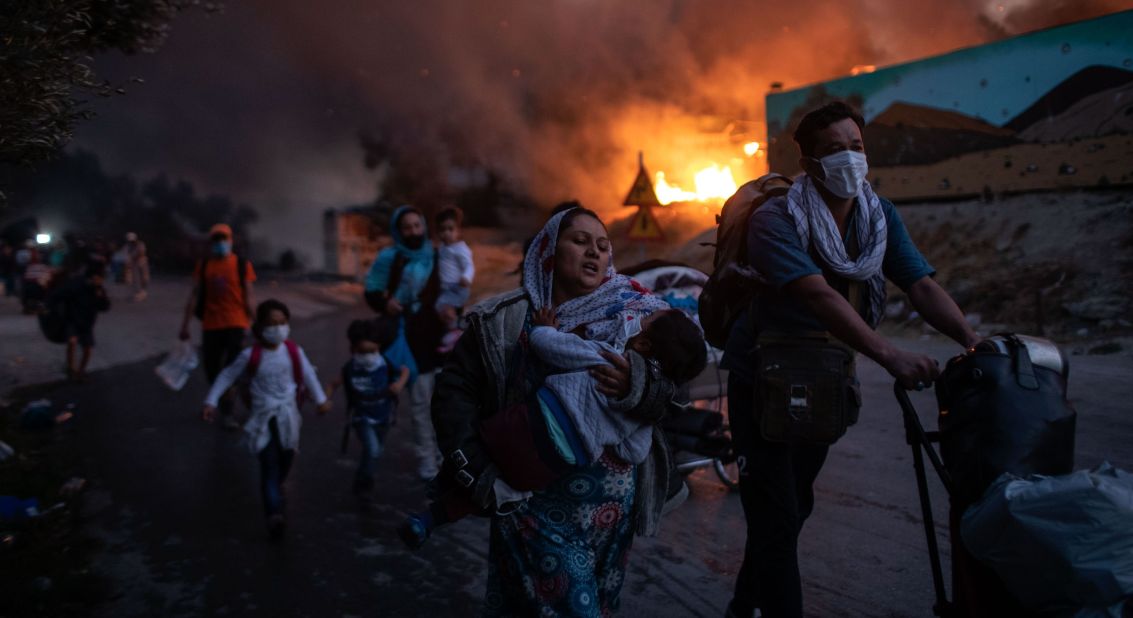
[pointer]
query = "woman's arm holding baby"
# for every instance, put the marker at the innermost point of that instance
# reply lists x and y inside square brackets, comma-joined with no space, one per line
[634,386]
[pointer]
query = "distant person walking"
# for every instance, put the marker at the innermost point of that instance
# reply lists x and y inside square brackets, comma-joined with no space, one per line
[137,265]
[222,300]
[81,297]
[35,279]
[8,268]
[403,283]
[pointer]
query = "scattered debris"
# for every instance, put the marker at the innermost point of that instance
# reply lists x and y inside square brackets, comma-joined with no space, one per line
[37,415]
[973,319]
[15,509]
[1106,348]
[42,584]
[73,486]
[40,414]
[1099,307]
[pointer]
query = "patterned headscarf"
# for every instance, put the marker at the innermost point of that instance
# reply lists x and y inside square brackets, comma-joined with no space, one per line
[612,313]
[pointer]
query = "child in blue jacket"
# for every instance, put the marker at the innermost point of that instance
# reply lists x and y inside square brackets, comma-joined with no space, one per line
[372,385]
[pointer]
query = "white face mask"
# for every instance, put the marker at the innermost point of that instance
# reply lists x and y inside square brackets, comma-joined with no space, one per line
[369,362]
[845,171]
[275,335]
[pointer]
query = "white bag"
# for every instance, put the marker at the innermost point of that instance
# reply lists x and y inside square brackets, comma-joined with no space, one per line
[177,367]
[1060,543]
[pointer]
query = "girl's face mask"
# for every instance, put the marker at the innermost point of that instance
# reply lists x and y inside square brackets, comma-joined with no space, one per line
[275,335]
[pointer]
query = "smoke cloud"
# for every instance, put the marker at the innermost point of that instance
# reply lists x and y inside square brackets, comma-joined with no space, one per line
[265,101]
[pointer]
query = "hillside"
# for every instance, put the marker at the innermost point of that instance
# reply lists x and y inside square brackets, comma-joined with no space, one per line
[1103,113]
[922,117]
[1069,91]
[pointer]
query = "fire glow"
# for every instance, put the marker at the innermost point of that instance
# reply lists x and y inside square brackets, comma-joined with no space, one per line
[714,183]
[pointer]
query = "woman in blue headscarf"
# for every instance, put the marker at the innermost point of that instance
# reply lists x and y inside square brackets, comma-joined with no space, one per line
[402,284]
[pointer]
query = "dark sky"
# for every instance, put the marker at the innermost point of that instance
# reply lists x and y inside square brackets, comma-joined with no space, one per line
[264,101]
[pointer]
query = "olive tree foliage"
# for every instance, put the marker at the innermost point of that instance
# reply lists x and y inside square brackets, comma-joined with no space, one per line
[46,49]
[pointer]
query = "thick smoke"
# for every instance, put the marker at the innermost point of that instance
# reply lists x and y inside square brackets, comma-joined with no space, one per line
[265,101]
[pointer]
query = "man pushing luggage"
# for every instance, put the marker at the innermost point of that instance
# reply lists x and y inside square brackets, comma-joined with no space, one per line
[824,252]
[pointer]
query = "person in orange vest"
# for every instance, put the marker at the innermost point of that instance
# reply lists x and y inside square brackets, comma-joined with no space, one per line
[222,300]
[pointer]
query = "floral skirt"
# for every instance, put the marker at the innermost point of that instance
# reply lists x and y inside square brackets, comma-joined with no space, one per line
[564,552]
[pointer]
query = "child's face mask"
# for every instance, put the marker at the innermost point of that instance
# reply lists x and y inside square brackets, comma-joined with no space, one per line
[275,335]
[369,362]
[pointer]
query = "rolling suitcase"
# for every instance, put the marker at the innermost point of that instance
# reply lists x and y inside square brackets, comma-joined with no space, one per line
[1003,408]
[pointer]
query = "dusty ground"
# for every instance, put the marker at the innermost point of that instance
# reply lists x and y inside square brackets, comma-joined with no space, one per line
[1059,263]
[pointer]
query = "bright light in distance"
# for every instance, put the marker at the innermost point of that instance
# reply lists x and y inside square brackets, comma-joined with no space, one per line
[43,239]
[751,148]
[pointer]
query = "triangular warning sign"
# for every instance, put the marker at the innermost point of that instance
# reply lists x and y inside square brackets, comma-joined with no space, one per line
[641,193]
[644,226]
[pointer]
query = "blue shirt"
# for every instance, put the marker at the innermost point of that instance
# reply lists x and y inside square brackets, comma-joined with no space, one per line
[367,393]
[777,252]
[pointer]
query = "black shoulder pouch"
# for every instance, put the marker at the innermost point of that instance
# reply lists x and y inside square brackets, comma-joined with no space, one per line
[806,391]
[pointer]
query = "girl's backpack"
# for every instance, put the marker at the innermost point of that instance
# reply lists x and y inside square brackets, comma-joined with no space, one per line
[254,366]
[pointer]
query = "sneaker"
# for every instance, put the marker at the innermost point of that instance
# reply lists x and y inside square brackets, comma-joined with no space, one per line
[413,531]
[277,525]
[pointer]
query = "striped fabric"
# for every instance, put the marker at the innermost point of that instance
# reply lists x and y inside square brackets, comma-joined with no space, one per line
[817,229]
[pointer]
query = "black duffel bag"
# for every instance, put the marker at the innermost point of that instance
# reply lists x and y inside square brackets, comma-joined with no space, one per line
[1003,408]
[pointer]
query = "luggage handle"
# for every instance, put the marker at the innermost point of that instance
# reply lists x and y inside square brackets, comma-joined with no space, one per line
[920,441]
[916,436]
[1024,369]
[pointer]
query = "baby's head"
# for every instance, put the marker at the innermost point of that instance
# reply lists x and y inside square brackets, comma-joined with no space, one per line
[272,322]
[371,336]
[675,342]
[449,221]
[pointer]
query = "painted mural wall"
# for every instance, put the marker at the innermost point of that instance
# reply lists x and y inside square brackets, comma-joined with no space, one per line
[1047,110]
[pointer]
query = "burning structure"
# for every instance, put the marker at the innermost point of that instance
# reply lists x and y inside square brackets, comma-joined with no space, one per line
[351,240]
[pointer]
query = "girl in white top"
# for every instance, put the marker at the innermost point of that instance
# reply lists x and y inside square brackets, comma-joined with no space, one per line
[276,386]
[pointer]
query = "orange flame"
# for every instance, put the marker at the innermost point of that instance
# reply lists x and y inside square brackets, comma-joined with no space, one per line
[714,183]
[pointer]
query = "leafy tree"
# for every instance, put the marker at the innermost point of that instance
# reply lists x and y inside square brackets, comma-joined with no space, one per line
[45,63]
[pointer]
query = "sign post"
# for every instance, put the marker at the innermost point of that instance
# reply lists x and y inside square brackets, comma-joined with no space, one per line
[644,226]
